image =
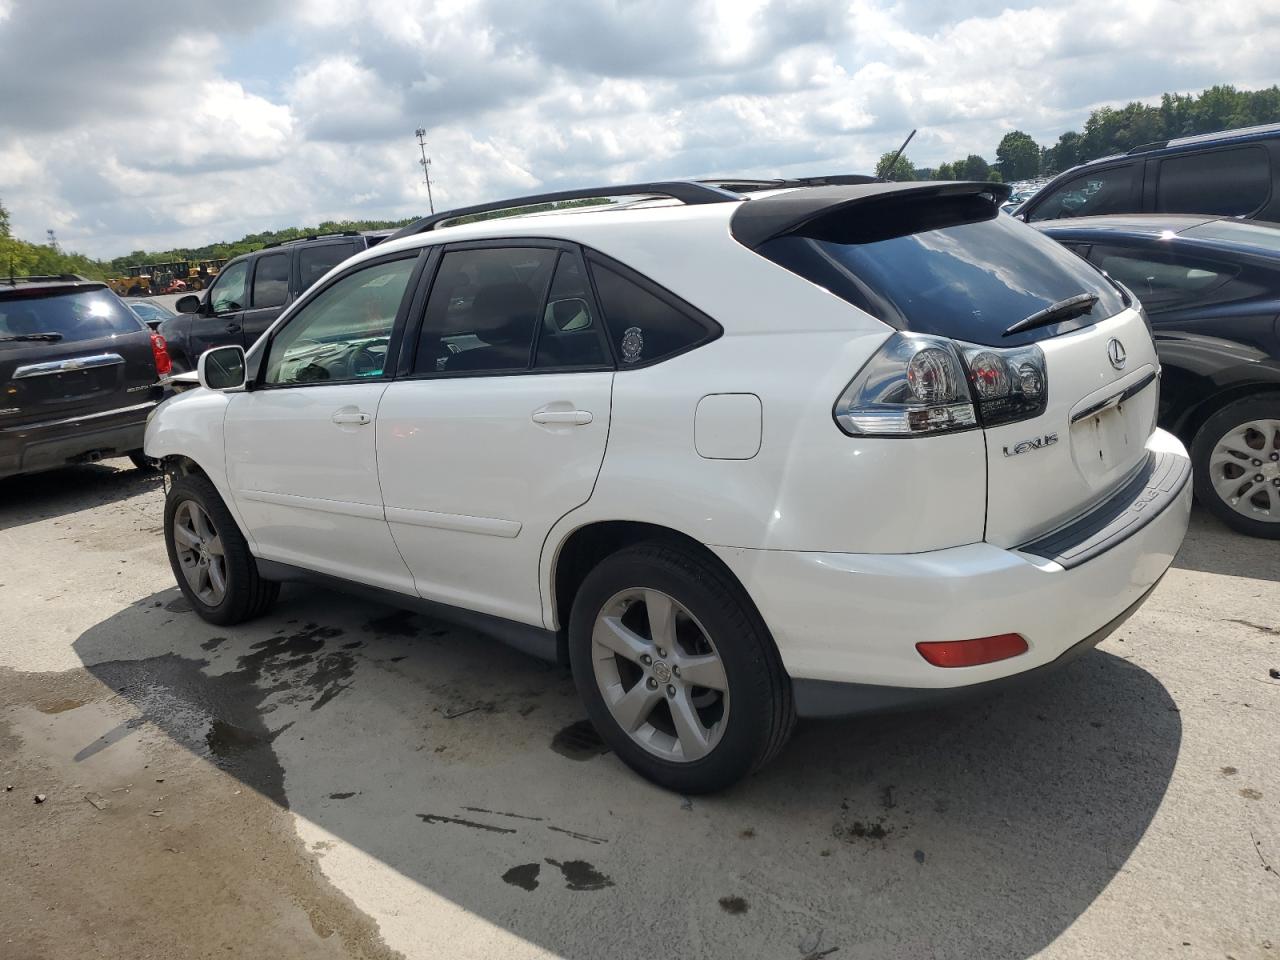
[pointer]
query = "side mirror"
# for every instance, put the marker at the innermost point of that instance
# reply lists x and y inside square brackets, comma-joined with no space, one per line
[188,304]
[221,368]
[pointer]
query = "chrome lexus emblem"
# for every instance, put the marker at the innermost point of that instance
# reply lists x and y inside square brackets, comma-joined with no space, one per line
[1116,354]
[1035,443]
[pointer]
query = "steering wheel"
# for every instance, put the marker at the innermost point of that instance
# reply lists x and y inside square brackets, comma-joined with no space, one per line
[369,359]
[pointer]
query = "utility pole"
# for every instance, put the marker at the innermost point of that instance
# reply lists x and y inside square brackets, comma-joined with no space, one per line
[426,165]
[53,239]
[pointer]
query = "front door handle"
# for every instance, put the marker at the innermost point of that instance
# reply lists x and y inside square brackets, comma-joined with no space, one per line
[347,417]
[577,418]
[233,328]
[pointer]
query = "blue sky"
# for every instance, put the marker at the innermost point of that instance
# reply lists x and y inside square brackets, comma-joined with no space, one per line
[151,124]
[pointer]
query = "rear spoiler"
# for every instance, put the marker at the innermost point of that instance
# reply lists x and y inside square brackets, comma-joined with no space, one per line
[766,218]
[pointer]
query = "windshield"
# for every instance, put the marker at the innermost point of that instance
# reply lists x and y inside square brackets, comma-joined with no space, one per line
[969,279]
[149,311]
[74,314]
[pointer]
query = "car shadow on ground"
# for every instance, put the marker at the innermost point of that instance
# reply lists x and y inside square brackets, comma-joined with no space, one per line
[38,496]
[1213,547]
[982,830]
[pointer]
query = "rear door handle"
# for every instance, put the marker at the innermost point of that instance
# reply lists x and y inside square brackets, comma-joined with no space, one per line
[359,417]
[233,328]
[577,418]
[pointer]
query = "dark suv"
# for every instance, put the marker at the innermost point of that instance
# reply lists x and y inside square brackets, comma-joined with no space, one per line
[252,290]
[79,373]
[1234,173]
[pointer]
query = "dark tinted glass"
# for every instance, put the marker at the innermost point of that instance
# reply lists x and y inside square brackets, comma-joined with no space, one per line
[970,281]
[75,315]
[1101,191]
[644,326]
[1161,279]
[570,336]
[483,310]
[315,261]
[271,280]
[1226,182]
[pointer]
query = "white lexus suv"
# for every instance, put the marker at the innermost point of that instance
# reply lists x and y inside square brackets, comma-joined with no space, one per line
[794,448]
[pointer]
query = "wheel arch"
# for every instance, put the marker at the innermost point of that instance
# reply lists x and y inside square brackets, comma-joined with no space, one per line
[1194,418]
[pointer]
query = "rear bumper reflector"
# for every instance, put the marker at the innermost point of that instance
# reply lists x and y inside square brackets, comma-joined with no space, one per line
[971,653]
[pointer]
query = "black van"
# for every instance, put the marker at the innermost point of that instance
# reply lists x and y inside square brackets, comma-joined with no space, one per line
[79,374]
[1234,173]
[252,290]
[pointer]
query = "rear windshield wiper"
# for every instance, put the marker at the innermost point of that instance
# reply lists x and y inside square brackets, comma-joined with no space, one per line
[1062,310]
[47,337]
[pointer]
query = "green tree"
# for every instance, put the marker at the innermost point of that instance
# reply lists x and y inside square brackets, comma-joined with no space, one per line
[902,168]
[1018,156]
[945,171]
[4,221]
[972,167]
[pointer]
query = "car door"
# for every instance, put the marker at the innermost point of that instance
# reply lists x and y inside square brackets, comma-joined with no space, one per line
[499,427]
[268,295]
[300,445]
[218,323]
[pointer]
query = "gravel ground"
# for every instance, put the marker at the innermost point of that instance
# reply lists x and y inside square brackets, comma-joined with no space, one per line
[340,779]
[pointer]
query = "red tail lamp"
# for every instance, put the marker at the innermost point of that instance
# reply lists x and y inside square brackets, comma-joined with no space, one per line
[971,653]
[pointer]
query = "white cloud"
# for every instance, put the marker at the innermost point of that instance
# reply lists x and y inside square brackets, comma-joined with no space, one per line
[121,132]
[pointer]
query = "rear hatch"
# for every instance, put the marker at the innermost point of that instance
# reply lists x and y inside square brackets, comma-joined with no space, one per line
[68,351]
[941,260]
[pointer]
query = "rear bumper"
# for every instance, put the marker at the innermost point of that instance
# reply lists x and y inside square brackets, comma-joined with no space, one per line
[33,447]
[855,618]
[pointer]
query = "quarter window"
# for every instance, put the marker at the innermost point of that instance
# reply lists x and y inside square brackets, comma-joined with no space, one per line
[1158,279]
[1230,183]
[644,326]
[483,310]
[344,331]
[315,261]
[228,291]
[271,281]
[1097,192]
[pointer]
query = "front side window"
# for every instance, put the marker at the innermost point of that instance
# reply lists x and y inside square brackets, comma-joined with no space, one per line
[643,325]
[228,291]
[271,281]
[1229,183]
[1161,279]
[315,261]
[1091,194]
[483,310]
[343,333]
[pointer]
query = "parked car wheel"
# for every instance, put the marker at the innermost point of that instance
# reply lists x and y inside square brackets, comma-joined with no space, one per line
[678,672]
[209,555]
[143,462]
[1236,456]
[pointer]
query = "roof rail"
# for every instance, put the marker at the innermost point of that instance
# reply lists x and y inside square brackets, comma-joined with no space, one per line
[747,184]
[687,191]
[313,236]
[1148,147]
[48,278]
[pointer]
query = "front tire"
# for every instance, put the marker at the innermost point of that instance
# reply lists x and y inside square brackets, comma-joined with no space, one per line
[144,463]
[210,557]
[1236,462]
[677,671]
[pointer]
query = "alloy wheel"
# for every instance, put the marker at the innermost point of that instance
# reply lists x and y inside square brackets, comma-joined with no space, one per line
[199,549]
[1244,469]
[660,675]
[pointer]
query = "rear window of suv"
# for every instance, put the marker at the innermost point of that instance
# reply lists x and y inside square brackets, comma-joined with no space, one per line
[71,314]
[949,266]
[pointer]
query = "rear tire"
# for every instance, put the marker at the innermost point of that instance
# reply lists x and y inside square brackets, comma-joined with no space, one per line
[1231,450]
[210,557]
[680,734]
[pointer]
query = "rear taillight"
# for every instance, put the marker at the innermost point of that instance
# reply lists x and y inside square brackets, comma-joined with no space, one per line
[919,384]
[160,350]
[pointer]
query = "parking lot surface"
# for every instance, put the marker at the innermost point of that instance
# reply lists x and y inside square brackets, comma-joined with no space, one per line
[341,779]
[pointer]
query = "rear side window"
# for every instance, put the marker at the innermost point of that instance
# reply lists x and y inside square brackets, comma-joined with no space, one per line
[315,261]
[1162,279]
[483,310]
[1110,190]
[571,335]
[271,280]
[954,267]
[78,315]
[1230,183]
[645,323]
